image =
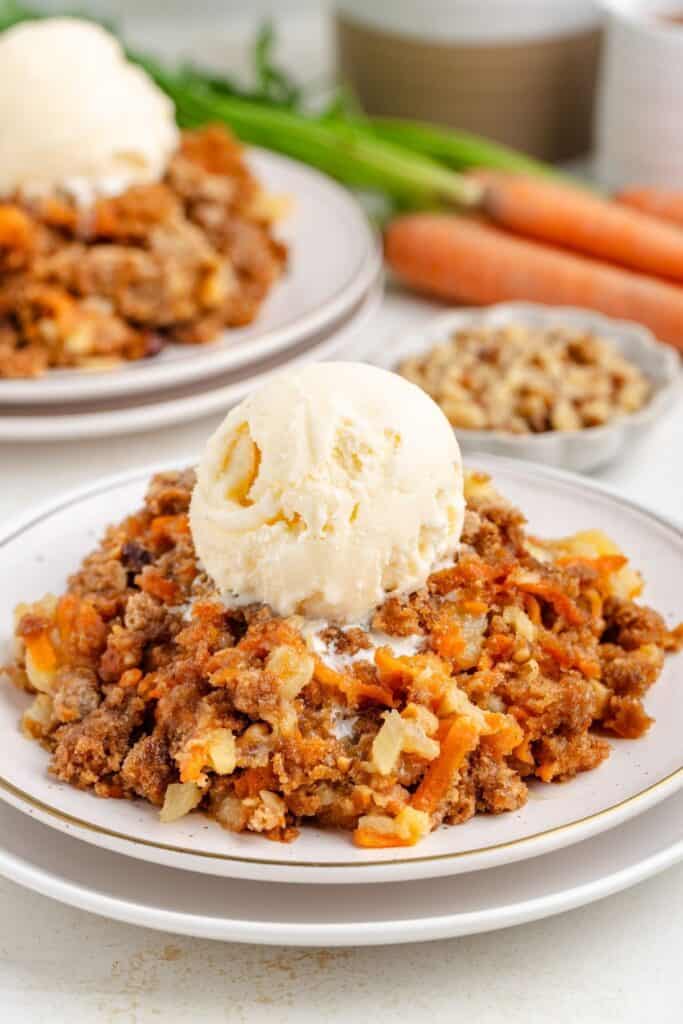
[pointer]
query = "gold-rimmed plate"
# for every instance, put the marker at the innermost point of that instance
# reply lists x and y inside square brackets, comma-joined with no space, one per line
[38,553]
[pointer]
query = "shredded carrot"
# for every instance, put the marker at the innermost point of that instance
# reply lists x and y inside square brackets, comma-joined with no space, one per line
[393,672]
[373,840]
[533,608]
[603,565]
[253,780]
[523,751]
[372,694]
[504,737]
[133,526]
[567,659]
[328,677]
[170,527]
[152,582]
[551,593]
[42,652]
[595,602]
[590,669]
[446,635]
[475,607]
[460,739]
[556,650]
[78,620]
[499,645]
[148,688]
[193,762]
[58,214]
[17,235]
[546,772]
[355,690]
[131,677]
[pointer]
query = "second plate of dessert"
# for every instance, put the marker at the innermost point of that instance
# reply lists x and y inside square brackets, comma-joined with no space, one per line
[333,259]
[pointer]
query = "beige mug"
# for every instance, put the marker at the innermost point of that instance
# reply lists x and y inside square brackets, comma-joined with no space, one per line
[522,72]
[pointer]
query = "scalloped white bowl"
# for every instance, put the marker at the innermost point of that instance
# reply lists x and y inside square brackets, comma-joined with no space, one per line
[579,450]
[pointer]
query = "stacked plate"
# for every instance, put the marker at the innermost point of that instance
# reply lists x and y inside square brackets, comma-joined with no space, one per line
[332,285]
[569,845]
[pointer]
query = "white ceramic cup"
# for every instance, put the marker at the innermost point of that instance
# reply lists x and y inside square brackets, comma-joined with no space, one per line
[639,116]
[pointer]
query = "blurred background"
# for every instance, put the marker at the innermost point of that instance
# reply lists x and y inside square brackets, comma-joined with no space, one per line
[553,78]
[521,71]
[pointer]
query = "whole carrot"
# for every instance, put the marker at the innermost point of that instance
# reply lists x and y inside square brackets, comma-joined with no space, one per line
[658,202]
[574,218]
[468,260]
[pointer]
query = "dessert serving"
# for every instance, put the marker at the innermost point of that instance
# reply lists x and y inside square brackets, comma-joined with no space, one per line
[118,234]
[329,624]
[522,379]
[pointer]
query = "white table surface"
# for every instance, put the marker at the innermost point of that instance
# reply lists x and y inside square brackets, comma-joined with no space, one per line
[616,961]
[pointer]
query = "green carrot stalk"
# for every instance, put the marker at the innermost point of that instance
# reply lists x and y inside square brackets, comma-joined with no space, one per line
[456,149]
[348,152]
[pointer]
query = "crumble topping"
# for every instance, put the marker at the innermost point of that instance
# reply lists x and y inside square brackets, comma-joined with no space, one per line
[512,665]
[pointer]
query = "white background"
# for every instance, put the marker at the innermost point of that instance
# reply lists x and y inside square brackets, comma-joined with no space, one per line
[617,961]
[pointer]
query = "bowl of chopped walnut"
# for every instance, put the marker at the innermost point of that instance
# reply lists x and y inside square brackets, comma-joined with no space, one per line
[563,386]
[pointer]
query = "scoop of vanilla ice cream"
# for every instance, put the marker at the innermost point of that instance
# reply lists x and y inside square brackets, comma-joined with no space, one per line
[75,114]
[329,488]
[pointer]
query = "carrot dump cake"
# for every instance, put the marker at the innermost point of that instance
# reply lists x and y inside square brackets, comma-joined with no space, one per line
[160,676]
[528,380]
[118,234]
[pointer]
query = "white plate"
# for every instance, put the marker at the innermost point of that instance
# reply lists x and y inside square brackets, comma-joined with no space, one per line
[578,450]
[106,418]
[37,555]
[334,257]
[259,912]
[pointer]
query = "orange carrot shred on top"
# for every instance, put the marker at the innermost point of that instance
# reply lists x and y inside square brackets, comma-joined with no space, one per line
[372,694]
[17,234]
[562,604]
[43,654]
[603,564]
[557,651]
[152,582]
[355,690]
[567,659]
[170,527]
[468,260]
[460,739]
[575,218]
[253,780]
[499,645]
[523,751]
[666,204]
[533,608]
[505,736]
[447,640]
[370,839]
[131,677]
[77,620]
[393,672]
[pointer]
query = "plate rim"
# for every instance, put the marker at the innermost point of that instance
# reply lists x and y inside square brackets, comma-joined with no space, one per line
[395,932]
[89,386]
[395,869]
